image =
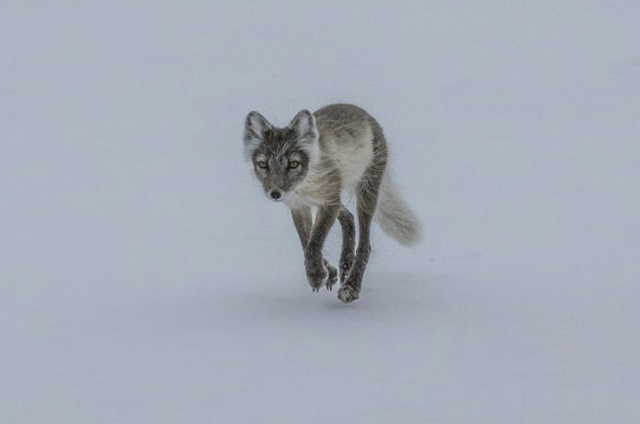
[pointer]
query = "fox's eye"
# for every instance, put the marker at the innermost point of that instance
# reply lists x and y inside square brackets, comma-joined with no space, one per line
[293,164]
[262,164]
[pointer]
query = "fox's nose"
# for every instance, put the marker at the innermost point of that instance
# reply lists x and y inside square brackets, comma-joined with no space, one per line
[275,194]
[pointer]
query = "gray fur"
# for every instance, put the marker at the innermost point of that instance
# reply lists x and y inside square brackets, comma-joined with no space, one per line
[311,162]
[348,242]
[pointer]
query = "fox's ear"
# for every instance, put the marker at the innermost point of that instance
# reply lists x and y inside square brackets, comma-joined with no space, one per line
[304,125]
[254,128]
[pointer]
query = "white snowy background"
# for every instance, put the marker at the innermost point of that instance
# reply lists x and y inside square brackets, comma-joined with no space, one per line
[145,278]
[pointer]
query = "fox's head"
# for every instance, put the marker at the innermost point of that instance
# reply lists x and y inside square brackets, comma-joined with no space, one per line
[281,156]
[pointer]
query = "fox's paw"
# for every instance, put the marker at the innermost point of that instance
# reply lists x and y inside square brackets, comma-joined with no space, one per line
[333,275]
[316,275]
[348,293]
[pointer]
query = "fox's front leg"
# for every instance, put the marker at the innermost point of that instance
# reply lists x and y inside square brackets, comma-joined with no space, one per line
[303,222]
[348,242]
[316,271]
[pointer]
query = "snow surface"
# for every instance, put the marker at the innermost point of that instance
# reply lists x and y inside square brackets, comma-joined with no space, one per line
[144,278]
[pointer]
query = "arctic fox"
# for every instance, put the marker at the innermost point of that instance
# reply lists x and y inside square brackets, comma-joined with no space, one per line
[312,162]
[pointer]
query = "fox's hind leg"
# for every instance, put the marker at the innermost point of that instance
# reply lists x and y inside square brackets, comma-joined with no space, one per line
[367,192]
[348,242]
[303,221]
[367,195]
[350,289]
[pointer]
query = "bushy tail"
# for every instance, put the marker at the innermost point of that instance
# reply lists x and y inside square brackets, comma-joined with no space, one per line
[394,216]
